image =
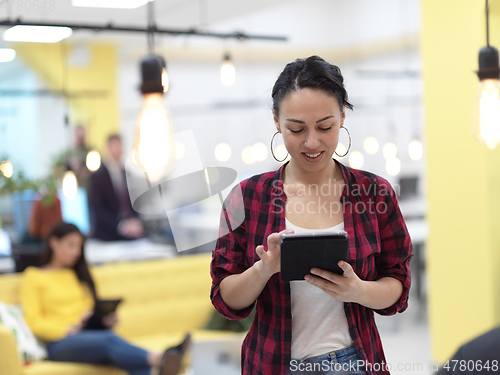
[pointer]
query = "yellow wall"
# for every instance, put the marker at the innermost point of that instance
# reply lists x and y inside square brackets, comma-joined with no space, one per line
[463,178]
[99,114]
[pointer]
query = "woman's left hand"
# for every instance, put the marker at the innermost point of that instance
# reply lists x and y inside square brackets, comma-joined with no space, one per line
[346,288]
[110,320]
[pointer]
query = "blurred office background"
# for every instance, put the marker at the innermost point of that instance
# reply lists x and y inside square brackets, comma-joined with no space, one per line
[408,69]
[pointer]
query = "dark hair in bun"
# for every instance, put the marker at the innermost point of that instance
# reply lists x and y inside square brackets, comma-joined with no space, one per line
[314,73]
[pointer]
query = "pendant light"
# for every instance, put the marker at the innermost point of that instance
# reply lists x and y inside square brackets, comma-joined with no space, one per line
[371,145]
[227,71]
[164,75]
[356,160]
[415,150]
[486,123]
[223,151]
[7,55]
[153,150]
[259,151]
[6,168]
[37,34]
[93,160]
[69,184]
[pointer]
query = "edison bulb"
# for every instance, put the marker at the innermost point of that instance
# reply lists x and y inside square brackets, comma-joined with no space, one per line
[222,152]
[165,80]
[69,185]
[259,151]
[246,155]
[93,161]
[393,166]
[371,145]
[390,150]
[415,150]
[6,168]
[486,124]
[153,149]
[227,72]
[356,160]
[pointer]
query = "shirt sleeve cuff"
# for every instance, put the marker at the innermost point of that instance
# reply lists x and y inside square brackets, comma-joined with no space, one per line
[402,304]
[224,309]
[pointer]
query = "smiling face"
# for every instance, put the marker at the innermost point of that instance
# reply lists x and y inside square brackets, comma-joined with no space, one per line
[310,121]
[67,250]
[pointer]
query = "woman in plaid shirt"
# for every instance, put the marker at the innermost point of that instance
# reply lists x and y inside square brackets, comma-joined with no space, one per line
[325,322]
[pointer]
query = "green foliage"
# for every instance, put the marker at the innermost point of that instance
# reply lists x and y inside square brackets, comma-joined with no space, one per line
[47,185]
[17,182]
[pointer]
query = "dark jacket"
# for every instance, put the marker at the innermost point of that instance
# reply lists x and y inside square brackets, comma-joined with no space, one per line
[105,206]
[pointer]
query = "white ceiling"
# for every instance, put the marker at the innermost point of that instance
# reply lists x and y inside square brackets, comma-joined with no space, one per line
[168,13]
[182,14]
[325,24]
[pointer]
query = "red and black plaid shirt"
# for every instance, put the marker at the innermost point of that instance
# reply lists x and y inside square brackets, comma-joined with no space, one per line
[380,246]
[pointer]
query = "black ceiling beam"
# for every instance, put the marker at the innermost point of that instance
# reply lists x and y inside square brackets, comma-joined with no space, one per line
[153,29]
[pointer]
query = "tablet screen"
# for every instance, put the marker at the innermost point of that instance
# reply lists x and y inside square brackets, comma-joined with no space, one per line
[302,251]
[108,306]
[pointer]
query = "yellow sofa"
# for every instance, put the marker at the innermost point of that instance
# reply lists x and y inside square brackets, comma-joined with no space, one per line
[163,299]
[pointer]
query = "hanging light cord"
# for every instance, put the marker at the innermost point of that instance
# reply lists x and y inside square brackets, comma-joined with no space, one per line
[63,52]
[151,28]
[487,24]
[64,78]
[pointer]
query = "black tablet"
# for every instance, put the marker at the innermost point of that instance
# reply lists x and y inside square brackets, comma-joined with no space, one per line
[107,306]
[302,251]
[102,308]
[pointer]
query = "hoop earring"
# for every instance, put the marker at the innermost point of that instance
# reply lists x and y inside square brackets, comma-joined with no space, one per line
[272,152]
[343,127]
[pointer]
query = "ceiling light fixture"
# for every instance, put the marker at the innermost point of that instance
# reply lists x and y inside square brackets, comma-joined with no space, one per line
[69,184]
[6,168]
[7,54]
[93,160]
[371,145]
[36,34]
[486,123]
[390,150]
[227,71]
[153,148]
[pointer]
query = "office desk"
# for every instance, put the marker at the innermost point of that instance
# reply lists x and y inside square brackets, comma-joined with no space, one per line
[98,252]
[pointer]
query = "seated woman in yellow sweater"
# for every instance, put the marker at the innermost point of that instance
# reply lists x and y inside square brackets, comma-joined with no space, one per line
[59,297]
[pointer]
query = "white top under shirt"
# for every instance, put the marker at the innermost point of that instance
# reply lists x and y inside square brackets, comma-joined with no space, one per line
[319,324]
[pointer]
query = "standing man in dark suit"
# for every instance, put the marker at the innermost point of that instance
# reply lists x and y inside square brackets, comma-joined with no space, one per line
[113,216]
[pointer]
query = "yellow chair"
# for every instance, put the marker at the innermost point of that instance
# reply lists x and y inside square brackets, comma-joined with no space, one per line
[163,299]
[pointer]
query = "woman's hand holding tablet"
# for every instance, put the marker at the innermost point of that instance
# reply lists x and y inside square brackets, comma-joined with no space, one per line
[346,287]
[321,260]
